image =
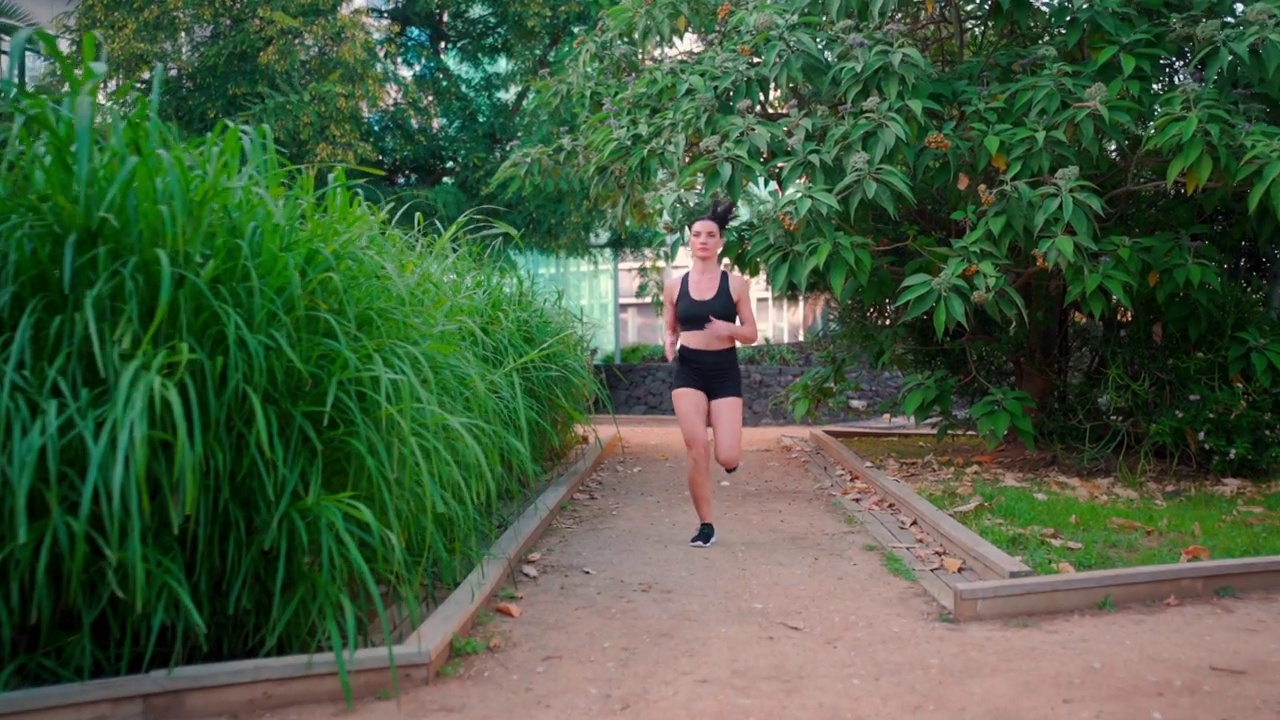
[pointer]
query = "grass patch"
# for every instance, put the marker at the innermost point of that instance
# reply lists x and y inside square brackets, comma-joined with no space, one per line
[242,413]
[898,567]
[1048,518]
[1038,522]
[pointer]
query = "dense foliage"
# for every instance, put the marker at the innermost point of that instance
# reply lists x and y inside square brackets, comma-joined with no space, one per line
[303,67]
[1062,214]
[235,402]
[429,96]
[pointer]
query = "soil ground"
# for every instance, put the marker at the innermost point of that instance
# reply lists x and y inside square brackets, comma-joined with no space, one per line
[791,615]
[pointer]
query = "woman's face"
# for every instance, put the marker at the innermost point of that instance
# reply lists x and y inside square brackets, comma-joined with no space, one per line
[705,240]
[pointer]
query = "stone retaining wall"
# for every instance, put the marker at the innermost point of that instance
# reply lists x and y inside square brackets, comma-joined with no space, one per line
[645,389]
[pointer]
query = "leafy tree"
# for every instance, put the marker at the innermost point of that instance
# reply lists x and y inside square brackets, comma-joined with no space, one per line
[468,94]
[431,95]
[309,69]
[1063,214]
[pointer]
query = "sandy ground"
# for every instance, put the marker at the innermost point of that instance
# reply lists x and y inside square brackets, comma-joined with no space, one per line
[789,615]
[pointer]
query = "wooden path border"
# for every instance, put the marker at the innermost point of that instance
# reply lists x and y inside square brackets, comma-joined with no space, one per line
[986,559]
[245,686]
[1007,588]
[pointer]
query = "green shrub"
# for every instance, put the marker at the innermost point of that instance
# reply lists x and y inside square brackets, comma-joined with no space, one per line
[234,402]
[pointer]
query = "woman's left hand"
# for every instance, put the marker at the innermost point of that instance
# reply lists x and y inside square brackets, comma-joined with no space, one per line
[720,329]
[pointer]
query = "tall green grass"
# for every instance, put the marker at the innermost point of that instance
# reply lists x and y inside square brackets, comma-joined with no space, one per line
[235,404]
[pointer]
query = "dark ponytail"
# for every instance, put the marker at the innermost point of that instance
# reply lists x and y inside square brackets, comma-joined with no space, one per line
[720,214]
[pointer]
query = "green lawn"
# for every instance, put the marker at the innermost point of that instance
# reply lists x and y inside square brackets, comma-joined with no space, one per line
[1048,518]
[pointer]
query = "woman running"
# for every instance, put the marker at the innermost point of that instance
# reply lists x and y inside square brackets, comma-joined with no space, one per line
[700,314]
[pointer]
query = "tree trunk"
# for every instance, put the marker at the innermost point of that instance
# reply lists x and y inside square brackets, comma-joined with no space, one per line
[1039,369]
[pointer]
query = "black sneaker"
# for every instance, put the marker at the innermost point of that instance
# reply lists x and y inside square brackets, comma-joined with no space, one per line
[705,537]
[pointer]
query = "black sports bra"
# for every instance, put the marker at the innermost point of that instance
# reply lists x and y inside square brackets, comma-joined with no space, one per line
[694,314]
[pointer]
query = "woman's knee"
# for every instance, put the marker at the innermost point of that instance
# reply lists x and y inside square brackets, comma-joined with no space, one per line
[728,458]
[698,448]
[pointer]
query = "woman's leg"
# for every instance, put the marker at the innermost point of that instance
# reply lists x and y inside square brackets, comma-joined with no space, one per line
[726,426]
[691,411]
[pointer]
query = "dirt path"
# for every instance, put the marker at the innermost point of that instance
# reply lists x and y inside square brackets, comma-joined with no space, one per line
[790,615]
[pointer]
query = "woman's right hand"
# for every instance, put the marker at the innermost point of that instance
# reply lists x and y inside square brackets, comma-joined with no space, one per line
[669,346]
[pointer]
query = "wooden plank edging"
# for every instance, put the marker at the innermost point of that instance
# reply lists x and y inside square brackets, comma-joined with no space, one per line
[984,557]
[149,696]
[455,615]
[1073,592]
[635,420]
[1030,594]
[849,431]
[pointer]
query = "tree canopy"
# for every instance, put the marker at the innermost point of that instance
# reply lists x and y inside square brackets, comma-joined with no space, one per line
[1062,213]
[303,67]
[431,95]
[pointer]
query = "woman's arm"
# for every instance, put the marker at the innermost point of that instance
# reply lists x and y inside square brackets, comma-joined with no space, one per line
[670,331]
[745,332]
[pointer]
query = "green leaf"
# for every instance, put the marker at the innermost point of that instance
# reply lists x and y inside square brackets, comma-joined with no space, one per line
[920,304]
[996,223]
[1127,63]
[1268,176]
[915,400]
[956,309]
[1067,246]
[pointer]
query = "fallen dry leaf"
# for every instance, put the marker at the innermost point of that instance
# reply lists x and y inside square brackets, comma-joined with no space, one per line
[1172,601]
[1127,524]
[967,507]
[1251,509]
[793,624]
[529,571]
[906,521]
[963,182]
[1074,520]
[1195,552]
[1064,567]
[533,557]
[1195,528]
[952,564]
[509,609]
[495,643]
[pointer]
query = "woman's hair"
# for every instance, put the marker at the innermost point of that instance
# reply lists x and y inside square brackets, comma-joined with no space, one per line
[720,214]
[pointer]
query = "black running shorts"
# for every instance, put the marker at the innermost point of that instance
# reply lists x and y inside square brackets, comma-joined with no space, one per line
[714,372]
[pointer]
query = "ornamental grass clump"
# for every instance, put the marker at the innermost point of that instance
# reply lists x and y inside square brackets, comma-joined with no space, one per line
[238,409]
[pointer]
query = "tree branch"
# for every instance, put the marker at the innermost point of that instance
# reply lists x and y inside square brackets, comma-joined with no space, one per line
[1155,184]
[544,63]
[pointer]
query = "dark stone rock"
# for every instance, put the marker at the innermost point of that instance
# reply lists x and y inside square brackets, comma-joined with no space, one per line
[645,389]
